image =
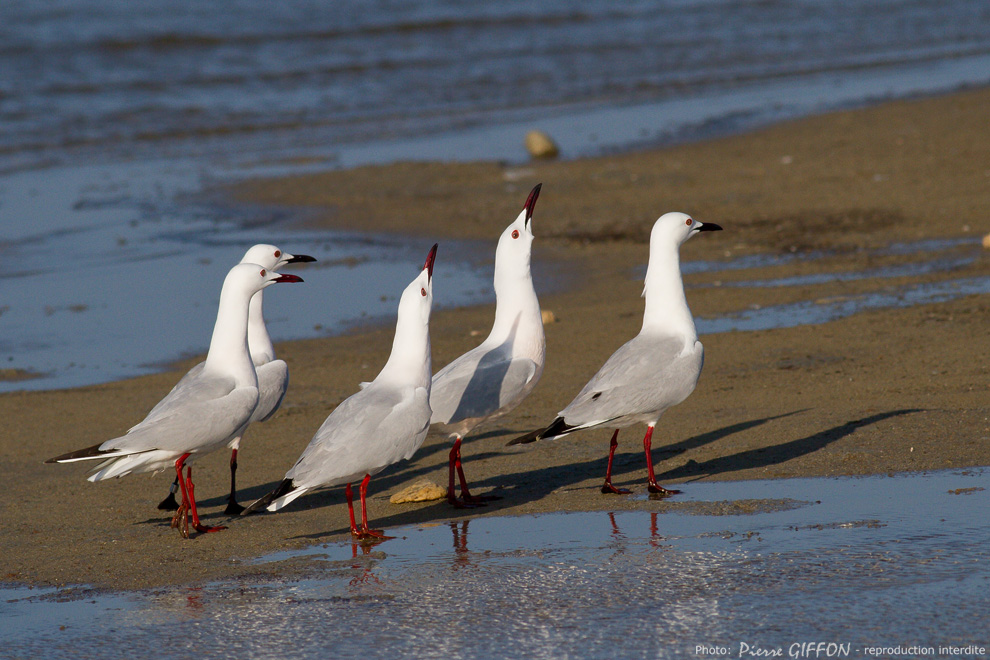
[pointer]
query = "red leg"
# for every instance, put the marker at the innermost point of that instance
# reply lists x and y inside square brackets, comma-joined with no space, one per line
[180,520]
[349,494]
[607,487]
[233,508]
[467,499]
[366,532]
[454,460]
[653,486]
[202,529]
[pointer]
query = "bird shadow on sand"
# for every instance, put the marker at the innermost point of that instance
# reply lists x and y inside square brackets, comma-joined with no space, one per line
[514,488]
[627,468]
[767,456]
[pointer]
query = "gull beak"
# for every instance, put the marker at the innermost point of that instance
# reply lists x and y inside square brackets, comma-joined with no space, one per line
[299,259]
[428,266]
[708,226]
[530,204]
[288,278]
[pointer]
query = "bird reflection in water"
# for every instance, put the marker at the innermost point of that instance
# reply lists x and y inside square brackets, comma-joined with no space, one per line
[363,565]
[462,556]
[655,537]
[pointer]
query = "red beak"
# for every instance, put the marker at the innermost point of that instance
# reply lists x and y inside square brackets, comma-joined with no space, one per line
[430,258]
[288,278]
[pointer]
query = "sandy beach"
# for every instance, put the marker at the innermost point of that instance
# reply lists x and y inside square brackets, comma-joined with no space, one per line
[885,390]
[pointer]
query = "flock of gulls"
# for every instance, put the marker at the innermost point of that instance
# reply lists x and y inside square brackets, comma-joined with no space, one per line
[386,421]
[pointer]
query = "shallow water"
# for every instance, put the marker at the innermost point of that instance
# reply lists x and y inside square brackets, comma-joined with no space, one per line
[810,312]
[858,561]
[934,257]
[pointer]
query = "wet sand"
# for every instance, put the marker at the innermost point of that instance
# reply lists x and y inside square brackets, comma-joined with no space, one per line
[881,391]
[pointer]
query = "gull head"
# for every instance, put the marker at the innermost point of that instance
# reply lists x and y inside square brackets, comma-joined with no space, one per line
[513,252]
[273,258]
[676,228]
[417,298]
[250,278]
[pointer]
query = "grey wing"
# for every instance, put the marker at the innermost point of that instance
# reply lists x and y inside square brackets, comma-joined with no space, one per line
[189,424]
[184,388]
[368,431]
[646,375]
[481,386]
[273,381]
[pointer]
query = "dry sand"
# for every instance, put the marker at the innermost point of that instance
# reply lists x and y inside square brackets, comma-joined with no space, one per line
[881,391]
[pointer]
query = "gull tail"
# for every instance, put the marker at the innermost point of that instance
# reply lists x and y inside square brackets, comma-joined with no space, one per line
[556,429]
[284,493]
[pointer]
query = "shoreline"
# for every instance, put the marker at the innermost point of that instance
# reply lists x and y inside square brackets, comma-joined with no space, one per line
[884,390]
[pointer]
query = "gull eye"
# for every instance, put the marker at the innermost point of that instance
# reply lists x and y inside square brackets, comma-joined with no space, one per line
[278,253]
[422,291]
[515,233]
[262,272]
[688,222]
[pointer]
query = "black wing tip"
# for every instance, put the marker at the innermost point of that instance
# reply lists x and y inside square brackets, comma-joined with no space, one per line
[532,436]
[556,428]
[86,452]
[283,488]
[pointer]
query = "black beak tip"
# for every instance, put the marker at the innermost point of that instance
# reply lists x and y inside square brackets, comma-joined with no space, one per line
[301,259]
[534,194]
[709,226]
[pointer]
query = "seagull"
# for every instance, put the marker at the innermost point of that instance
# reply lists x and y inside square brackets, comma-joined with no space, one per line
[656,369]
[273,375]
[383,423]
[204,412]
[493,378]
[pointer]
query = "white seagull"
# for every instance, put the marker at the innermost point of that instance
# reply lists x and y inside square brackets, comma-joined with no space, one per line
[656,369]
[492,379]
[383,423]
[273,374]
[208,411]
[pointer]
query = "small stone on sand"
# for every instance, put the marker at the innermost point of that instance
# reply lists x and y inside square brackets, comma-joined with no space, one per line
[548,317]
[541,145]
[421,491]
[986,241]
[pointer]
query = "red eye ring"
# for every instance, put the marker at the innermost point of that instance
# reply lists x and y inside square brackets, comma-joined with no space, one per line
[422,291]
[515,233]
[262,272]
[688,222]
[278,253]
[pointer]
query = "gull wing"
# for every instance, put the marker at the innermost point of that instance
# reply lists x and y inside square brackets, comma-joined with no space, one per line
[191,418]
[646,375]
[273,382]
[480,384]
[370,430]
